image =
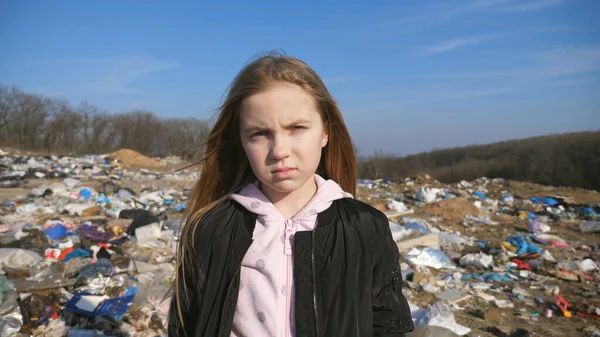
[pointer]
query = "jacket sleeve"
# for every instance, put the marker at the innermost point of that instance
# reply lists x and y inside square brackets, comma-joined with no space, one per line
[184,304]
[391,313]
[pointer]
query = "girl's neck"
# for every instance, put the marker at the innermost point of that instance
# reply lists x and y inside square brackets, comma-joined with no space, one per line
[288,204]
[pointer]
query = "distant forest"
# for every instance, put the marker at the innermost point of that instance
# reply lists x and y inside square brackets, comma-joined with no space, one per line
[570,159]
[34,122]
[39,123]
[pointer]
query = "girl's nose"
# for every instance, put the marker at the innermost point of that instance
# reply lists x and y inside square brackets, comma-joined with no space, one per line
[280,147]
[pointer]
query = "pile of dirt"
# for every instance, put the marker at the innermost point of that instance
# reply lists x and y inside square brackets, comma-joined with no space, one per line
[453,209]
[130,158]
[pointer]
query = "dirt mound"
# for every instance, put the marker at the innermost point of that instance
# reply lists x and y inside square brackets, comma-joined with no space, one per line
[130,158]
[453,209]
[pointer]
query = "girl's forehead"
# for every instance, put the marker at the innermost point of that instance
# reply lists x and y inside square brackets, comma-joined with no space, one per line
[280,104]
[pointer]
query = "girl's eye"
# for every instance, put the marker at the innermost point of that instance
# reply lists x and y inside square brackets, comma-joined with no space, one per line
[258,134]
[299,128]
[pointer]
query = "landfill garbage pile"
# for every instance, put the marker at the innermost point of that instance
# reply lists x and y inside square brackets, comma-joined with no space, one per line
[493,257]
[87,244]
[87,247]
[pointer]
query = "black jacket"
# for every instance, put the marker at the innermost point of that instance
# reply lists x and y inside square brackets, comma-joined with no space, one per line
[346,274]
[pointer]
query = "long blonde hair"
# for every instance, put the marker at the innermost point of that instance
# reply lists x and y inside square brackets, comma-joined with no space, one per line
[225,166]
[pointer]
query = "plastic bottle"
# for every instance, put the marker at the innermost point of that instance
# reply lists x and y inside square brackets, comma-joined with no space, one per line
[590,226]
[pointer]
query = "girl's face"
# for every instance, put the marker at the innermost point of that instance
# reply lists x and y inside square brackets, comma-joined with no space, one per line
[282,134]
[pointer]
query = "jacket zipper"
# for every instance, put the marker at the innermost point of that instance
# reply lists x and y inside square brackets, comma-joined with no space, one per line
[228,291]
[288,231]
[314,279]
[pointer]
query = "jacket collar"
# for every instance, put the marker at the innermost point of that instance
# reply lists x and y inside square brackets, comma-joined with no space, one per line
[324,219]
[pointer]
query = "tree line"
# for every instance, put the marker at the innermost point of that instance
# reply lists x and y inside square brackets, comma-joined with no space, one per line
[39,123]
[570,159]
[52,125]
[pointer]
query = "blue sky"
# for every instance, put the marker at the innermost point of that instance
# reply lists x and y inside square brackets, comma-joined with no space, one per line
[409,76]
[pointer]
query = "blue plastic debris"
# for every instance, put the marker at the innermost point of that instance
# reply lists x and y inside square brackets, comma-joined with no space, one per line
[487,277]
[417,227]
[523,247]
[178,208]
[102,266]
[56,232]
[77,252]
[479,195]
[590,213]
[114,307]
[102,199]
[168,202]
[545,201]
[85,193]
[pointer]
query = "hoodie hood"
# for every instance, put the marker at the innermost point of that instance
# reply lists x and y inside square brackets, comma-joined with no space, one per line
[254,200]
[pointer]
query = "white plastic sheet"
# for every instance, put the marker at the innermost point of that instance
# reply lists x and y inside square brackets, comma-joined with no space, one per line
[438,314]
[18,258]
[429,257]
[479,260]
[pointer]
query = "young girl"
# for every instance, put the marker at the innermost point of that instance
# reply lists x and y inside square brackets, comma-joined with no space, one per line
[274,243]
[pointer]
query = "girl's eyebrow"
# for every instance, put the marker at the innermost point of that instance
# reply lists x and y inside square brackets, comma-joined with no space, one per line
[258,127]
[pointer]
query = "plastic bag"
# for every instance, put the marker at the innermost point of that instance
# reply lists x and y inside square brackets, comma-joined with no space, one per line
[479,260]
[537,226]
[428,194]
[396,205]
[439,314]
[18,258]
[429,257]
[11,319]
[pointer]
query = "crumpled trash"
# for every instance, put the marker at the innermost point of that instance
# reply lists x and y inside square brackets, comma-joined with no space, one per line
[148,233]
[487,277]
[547,256]
[143,218]
[454,240]
[11,319]
[18,258]
[429,257]
[394,205]
[95,305]
[437,314]
[426,194]
[550,239]
[56,232]
[585,265]
[102,266]
[479,260]
[523,247]
[507,199]
[473,219]
[545,201]
[75,253]
[479,195]
[71,183]
[417,227]
[85,193]
[589,226]
[87,230]
[538,226]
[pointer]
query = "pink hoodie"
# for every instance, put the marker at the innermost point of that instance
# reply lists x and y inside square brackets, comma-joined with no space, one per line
[265,305]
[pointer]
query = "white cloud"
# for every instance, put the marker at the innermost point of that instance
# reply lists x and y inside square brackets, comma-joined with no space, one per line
[489,3]
[524,6]
[450,45]
[569,82]
[120,73]
[546,65]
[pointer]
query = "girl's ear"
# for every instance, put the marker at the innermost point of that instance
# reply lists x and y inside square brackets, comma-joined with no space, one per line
[324,140]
